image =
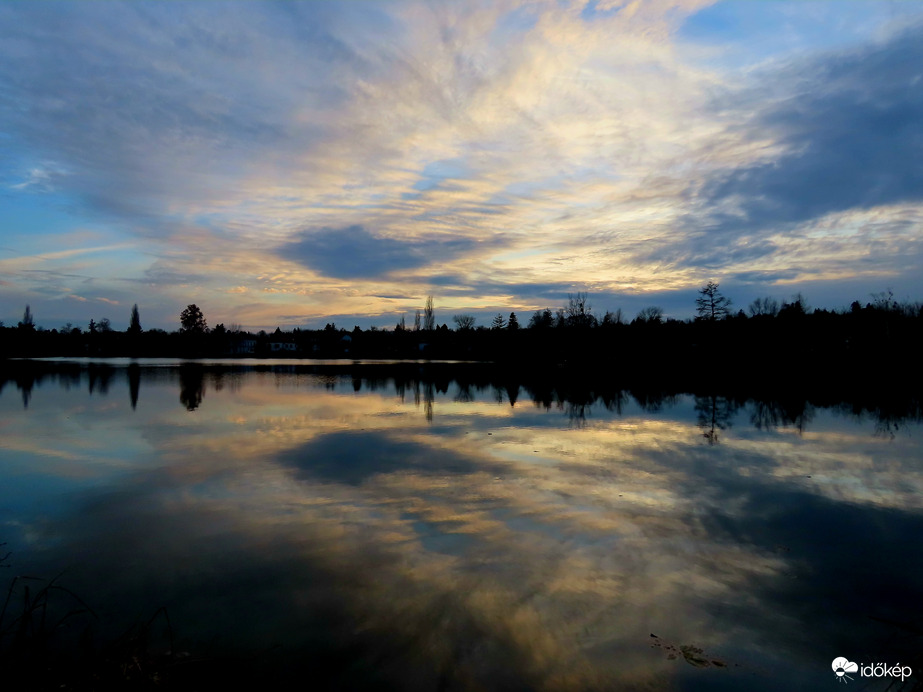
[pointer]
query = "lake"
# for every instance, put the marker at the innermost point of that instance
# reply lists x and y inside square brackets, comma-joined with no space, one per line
[451,527]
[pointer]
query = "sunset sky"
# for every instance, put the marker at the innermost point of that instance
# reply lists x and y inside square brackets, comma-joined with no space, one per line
[289,164]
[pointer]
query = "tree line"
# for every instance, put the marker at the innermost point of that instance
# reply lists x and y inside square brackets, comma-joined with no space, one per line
[769,335]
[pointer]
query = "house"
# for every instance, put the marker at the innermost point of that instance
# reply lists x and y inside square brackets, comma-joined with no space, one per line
[243,347]
[283,347]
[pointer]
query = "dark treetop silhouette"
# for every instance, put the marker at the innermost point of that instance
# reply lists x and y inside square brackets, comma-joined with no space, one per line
[788,341]
[711,305]
[192,320]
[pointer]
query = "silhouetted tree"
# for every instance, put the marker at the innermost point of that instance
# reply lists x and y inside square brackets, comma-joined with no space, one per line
[429,316]
[513,323]
[650,315]
[764,306]
[105,325]
[463,322]
[611,319]
[884,301]
[578,312]
[192,320]
[417,322]
[134,325]
[27,320]
[711,305]
[541,319]
[797,308]
[498,322]
[27,341]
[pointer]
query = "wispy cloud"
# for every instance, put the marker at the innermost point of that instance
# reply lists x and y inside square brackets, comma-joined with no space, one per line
[845,130]
[359,150]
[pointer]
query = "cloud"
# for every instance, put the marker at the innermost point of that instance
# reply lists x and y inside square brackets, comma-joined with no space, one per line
[354,252]
[762,277]
[845,135]
[164,107]
[40,178]
[350,154]
[353,458]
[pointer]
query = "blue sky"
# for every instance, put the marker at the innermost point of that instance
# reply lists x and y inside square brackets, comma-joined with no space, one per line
[285,164]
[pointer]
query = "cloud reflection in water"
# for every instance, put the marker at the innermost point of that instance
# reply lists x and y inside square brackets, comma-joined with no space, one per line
[492,547]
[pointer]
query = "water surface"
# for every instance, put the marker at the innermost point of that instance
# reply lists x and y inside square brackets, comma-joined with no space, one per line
[451,529]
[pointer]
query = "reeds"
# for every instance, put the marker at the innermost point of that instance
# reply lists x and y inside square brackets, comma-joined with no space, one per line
[39,643]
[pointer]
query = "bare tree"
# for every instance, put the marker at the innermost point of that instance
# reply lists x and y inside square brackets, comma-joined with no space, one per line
[463,322]
[884,301]
[711,305]
[613,318]
[650,315]
[764,306]
[578,312]
[429,316]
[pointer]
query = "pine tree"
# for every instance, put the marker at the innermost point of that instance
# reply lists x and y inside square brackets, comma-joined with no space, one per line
[134,326]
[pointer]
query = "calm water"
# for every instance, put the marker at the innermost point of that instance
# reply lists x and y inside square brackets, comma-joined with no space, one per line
[421,530]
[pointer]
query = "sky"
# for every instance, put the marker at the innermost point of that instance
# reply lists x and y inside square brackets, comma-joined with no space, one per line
[296,163]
